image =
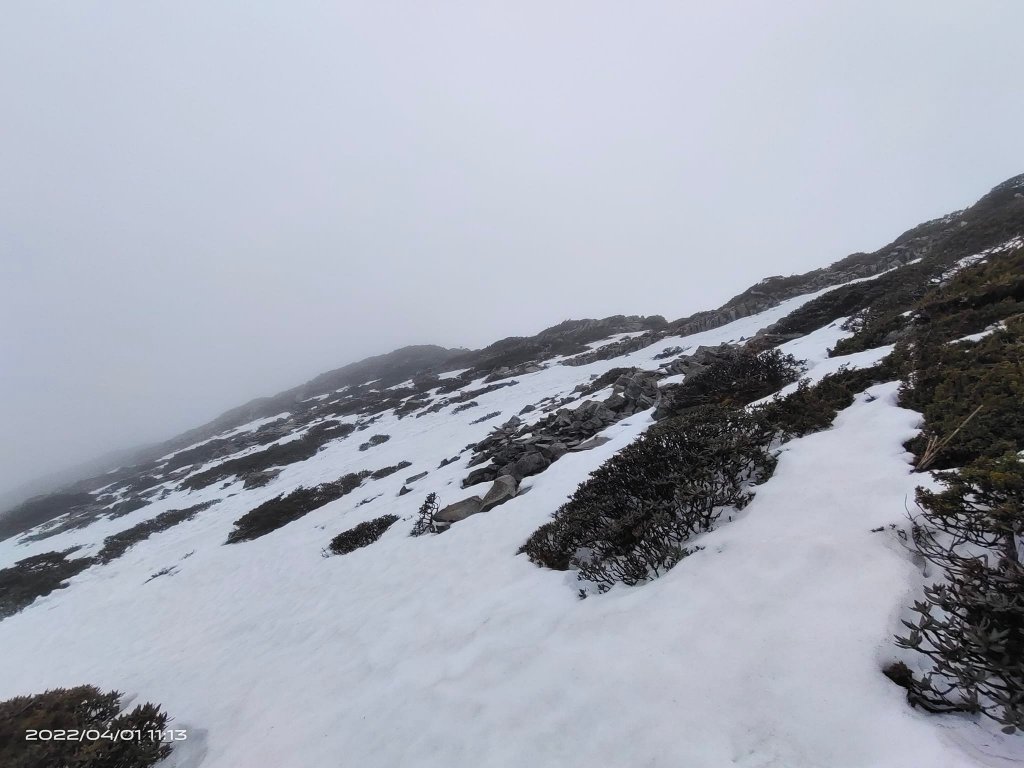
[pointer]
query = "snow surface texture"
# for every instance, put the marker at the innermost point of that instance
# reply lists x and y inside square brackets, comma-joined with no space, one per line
[764,649]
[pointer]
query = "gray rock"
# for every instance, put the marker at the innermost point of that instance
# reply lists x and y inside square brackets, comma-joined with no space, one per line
[504,488]
[530,464]
[593,442]
[414,478]
[460,510]
[528,409]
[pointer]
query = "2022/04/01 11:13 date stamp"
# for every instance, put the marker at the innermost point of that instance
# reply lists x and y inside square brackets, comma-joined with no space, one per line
[165,735]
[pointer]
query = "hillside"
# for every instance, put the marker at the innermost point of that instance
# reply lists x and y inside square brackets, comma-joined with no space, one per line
[637,541]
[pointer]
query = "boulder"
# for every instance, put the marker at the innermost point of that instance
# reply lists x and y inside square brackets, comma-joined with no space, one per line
[414,478]
[460,510]
[503,489]
[481,475]
[530,464]
[593,442]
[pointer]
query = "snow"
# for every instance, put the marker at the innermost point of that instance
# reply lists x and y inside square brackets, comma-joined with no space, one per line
[764,649]
[981,334]
[977,258]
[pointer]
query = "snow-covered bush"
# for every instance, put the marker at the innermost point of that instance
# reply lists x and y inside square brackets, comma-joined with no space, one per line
[361,535]
[282,510]
[629,522]
[970,625]
[37,576]
[83,709]
[735,379]
[278,455]
[374,440]
[813,407]
[117,544]
[950,381]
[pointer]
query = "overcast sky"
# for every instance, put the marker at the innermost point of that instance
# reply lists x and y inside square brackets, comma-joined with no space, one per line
[202,202]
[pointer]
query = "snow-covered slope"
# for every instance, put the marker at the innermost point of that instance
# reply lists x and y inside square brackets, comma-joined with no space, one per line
[764,649]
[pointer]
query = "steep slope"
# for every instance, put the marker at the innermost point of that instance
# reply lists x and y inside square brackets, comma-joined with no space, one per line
[197,578]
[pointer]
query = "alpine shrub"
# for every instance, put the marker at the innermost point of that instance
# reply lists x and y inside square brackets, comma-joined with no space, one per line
[970,625]
[37,576]
[361,535]
[83,708]
[630,520]
[737,379]
[280,511]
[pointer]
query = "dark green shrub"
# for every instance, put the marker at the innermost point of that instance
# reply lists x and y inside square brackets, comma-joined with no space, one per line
[975,298]
[812,408]
[970,625]
[736,379]
[280,511]
[37,576]
[80,709]
[361,535]
[629,521]
[950,381]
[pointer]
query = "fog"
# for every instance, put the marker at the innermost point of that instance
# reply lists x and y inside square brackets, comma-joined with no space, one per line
[201,203]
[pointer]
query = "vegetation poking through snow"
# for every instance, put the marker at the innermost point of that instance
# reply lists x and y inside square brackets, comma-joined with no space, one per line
[281,510]
[488,417]
[383,472]
[738,378]
[813,407]
[970,625]
[280,454]
[632,519]
[425,517]
[361,535]
[949,384]
[39,510]
[629,522]
[117,544]
[374,440]
[37,576]
[969,302]
[80,709]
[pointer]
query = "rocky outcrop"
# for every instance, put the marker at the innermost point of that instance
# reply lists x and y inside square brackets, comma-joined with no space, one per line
[520,450]
[697,361]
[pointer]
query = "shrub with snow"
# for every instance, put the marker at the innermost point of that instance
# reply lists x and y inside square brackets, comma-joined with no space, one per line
[970,625]
[361,535]
[735,379]
[282,510]
[37,576]
[630,520]
[80,710]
